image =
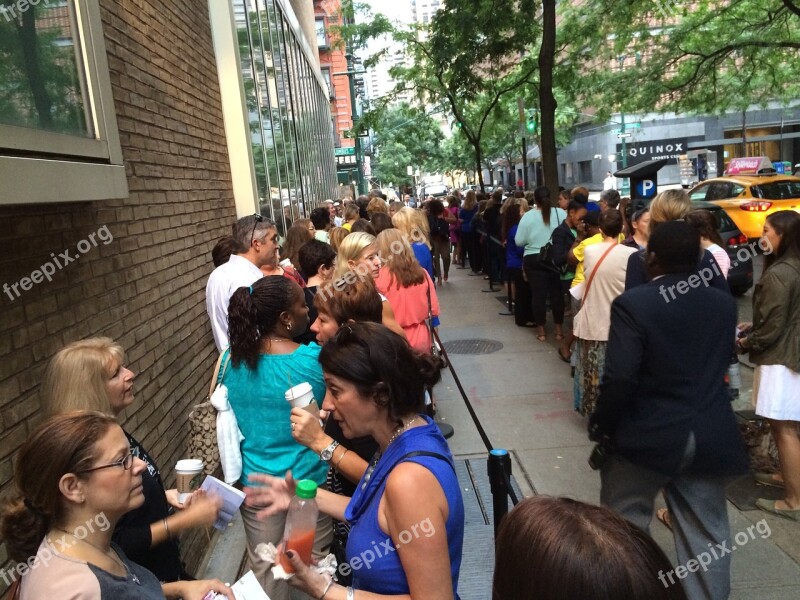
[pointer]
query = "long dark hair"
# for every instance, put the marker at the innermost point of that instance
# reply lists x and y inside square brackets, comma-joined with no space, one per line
[550,548]
[511,217]
[253,313]
[786,224]
[382,365]
[542,197]
[62,444]
[705,224]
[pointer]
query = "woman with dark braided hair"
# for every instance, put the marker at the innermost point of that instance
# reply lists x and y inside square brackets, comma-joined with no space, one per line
[264,363]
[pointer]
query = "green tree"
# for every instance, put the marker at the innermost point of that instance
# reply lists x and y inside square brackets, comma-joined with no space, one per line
[405,136]
[470,58]
[704,56]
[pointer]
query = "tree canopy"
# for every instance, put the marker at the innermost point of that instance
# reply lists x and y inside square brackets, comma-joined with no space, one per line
[704,56]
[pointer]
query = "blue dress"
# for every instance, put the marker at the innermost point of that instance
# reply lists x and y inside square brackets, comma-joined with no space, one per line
[371,552]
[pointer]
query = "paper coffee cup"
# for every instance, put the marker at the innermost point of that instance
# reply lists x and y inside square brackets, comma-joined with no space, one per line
[188,473]
[302,396]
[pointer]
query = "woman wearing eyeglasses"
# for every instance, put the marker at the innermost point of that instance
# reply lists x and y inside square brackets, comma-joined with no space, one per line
[407,514]
[90,375]
[75,478]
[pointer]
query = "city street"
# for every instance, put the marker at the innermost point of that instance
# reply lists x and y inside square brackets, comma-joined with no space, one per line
[523,397]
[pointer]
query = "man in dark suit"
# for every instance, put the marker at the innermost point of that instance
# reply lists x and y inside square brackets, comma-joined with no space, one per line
[664,415]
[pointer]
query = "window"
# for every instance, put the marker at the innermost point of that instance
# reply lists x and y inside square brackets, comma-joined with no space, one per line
[326,75]
[699,193]
[585,170]
[322,37]
[57,121]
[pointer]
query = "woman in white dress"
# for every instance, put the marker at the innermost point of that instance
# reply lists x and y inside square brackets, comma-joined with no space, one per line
[773,341]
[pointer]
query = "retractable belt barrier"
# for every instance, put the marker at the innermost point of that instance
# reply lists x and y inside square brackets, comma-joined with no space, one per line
[499,460]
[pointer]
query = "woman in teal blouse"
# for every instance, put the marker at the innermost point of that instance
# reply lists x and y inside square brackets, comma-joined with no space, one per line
[265,362]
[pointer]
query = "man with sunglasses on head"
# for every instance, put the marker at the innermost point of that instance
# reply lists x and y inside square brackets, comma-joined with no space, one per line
[258,243]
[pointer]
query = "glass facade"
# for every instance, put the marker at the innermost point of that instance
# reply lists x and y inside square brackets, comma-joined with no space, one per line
[289,113]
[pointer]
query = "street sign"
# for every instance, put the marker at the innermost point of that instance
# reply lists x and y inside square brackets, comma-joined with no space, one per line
[623,135]
[344,151]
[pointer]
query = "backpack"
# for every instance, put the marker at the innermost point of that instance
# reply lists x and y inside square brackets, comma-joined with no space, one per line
[439,228]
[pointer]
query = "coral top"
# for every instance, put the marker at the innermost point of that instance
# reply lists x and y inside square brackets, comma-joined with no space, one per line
[410,306]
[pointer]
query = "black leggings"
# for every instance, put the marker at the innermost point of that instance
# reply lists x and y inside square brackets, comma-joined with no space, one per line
[544,284]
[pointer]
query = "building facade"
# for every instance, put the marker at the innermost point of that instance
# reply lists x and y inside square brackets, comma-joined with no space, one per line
[773,132]
[139,142]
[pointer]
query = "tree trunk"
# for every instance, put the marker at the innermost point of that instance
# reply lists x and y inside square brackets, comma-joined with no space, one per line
[547,101]
[479,167]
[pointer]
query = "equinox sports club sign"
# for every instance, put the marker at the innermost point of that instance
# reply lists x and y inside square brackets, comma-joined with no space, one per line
[640,151]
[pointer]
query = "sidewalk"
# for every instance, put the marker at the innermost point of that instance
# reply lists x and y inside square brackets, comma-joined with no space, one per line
[523,397]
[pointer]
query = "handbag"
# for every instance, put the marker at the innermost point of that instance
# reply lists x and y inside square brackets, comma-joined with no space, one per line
[546,259]
[202,442]
[435,350]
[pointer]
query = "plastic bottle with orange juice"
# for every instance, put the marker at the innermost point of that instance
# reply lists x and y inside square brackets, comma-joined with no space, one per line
[301,524]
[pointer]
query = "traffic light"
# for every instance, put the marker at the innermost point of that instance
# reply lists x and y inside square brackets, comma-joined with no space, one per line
[530,122]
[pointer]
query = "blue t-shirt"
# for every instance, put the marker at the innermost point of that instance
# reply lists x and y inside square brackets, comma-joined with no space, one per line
[424,257]
[513,252]
[466,219]
[258,401]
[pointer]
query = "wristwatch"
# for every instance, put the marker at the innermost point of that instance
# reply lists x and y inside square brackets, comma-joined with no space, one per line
[327,453]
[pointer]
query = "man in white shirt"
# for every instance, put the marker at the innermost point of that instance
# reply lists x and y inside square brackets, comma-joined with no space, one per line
[259,237]
[610,182]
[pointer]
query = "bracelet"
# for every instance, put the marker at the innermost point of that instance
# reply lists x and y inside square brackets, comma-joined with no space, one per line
[341,458]
[166,528]
[351,594]
[327,587]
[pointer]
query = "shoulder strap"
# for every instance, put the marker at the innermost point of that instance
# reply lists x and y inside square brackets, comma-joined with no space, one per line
[596,267]
[217,375]
[427,453]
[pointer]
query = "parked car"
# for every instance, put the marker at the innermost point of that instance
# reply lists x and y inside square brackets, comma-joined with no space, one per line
[749,198]
[436,190]
[736,244]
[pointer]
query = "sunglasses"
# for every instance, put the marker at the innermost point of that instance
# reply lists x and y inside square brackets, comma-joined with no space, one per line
[259,219]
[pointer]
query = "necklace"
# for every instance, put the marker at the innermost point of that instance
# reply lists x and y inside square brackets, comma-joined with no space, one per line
[374,462]
[112,555]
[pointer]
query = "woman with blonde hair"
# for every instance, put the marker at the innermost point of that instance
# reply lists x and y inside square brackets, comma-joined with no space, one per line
[76,478]
[351,215]
[672,205]
[336,235]
[90,374]
[408,287]
[413,224]
[359,254]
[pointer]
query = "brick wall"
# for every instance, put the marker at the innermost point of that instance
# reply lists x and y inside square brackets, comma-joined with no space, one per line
[146,287]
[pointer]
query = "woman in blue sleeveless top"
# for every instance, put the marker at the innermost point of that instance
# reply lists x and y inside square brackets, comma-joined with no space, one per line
[407,515]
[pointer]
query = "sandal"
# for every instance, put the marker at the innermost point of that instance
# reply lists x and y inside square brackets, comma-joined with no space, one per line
[559,337]
[541,338]
[566,358]
[662,514]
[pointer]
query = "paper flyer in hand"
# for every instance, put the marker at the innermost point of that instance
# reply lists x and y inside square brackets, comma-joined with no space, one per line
[231,500]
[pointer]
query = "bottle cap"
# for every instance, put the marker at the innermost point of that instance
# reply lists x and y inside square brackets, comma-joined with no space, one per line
[306,489]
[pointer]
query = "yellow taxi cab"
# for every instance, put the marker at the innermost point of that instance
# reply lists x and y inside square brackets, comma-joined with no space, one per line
[750,190]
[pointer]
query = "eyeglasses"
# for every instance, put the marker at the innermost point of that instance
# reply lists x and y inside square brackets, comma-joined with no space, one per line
[343,333]
[258,220]
[126,462]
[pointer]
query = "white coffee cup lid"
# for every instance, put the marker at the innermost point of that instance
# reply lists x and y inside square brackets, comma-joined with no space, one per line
[297,391]
[189,464]
[285,263]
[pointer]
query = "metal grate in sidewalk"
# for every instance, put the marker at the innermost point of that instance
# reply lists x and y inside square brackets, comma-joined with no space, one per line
[477,564]
[476,346]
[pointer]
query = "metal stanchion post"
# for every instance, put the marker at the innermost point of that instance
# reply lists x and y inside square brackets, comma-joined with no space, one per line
[499,466]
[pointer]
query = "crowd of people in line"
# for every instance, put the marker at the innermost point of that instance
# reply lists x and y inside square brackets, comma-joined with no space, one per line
[347,302]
